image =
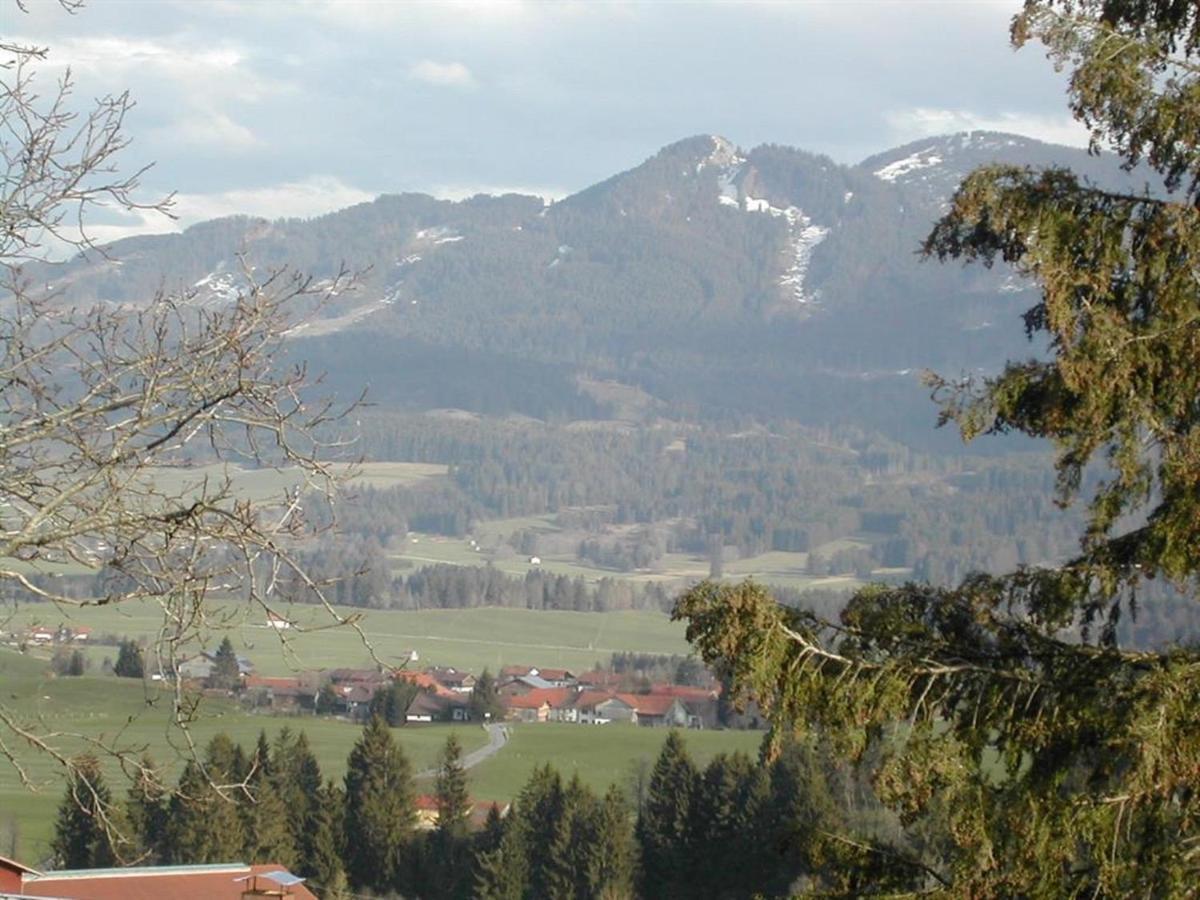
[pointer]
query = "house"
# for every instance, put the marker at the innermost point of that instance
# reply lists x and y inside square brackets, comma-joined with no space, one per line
[12,873]
[427,812]
[40,634]
[223,881]
[68,634]
[276,621]
[282,694]
[523,685]
[201,666]
[548,677]
[528,708]
[549,704]
[451,678]
[602,707]
[600,679]
[429,707]
[356,697]
[558,677]
[700,703]
[661,710]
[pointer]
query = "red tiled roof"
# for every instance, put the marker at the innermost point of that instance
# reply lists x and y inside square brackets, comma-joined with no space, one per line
[683,692]
[652,704]
[426,802]
[155,883]
[555,674]
[257,681]
[591,698]
[426,682]
[534,699]
[600,678]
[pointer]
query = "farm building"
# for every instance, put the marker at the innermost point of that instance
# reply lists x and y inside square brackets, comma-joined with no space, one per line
[202,664]
[452,679]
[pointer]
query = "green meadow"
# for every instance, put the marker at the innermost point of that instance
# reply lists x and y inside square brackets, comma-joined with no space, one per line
[600,754]
[783,568]
[469,639]
[136,718]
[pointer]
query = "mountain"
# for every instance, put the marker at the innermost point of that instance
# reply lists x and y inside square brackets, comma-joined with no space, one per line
[758,283]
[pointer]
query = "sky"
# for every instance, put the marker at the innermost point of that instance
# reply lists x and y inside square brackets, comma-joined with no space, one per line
[274,108]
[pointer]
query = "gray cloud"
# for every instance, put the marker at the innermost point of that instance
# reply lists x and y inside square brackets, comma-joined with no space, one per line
[241,99]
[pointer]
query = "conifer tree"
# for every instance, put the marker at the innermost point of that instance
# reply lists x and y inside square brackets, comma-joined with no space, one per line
[521,862]
[225,760]
[83,832]
[485,701]
[1100,744]
[450,789]
[296,775]
[145,812]
[203,825]
[612,865]
[713,829]
[226,673]
[129,661]
[321,859]
[261,761]
[486,854]
[570,854]
[269,836]
[379,808]
[662,828]
[448,848]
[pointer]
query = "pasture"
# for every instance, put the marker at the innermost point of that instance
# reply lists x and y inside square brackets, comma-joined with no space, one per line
[600,754]
[469,639]
[783,568]
[136,718]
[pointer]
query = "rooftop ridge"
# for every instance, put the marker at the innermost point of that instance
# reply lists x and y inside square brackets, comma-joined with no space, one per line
[142,871]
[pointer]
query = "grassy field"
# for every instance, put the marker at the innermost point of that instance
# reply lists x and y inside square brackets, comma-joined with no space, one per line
[137,718]
[264,484]
[467,639]
[601,754]
[778,567]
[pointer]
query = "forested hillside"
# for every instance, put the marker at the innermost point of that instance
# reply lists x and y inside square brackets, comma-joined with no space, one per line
[770,283]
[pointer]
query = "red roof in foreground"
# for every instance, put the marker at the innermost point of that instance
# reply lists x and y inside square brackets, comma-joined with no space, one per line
[219,882]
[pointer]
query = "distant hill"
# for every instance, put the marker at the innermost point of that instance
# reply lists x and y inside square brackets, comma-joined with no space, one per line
[765,283]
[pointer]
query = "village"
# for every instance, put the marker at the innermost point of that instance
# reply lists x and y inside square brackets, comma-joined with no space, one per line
[408,695]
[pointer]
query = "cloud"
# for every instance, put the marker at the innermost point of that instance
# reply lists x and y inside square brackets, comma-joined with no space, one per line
[458,192]
[453,74]
[919,122]
[211,127]
[304,199]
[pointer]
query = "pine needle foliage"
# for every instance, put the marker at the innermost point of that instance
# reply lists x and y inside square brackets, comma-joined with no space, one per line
[1064,765]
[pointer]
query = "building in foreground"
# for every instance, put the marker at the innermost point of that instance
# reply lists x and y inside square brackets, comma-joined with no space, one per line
[224,881]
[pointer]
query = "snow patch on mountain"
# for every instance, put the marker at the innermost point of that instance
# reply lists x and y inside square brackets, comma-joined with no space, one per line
[438,235]
[724,155]
[216,288]
[922,159]
[806,235]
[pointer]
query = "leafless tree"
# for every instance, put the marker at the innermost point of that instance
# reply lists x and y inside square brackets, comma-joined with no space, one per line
[94,403]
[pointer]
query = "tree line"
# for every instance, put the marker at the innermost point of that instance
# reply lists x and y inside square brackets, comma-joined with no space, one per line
[733,828]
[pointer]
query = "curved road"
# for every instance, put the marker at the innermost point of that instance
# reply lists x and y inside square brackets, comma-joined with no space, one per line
[497,738]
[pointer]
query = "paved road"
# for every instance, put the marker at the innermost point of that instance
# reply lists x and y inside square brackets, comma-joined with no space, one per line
[497,738]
